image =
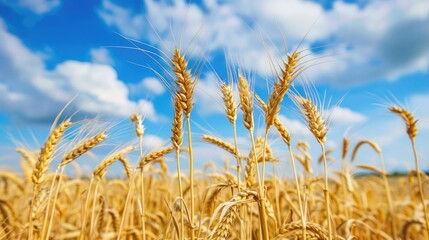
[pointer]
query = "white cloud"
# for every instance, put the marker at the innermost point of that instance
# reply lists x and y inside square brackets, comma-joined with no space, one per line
[35,6]
[151,142]
[101,55]
[153,85]
[208,96]
[147,86]
[121,18]
[147,110]
[380,40]
[38,94]
[345,116]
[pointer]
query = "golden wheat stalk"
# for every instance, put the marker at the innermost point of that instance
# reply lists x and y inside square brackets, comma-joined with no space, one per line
[246,105]
[185,92]
[176,140]
[411,125]
[231,114]
[42,164]
[317,126]
[138,121]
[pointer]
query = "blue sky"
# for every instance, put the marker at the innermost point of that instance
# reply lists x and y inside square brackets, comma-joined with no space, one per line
[369,53]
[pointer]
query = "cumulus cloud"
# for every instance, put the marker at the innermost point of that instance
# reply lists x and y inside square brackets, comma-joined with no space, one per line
[208,97]
[34,93]
[345,116]
[35,6]
[147,86]
[376,41]
[122,19]
[101,55]
[151,142]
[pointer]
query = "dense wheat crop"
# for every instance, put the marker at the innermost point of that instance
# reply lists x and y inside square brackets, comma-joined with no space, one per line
[153,200]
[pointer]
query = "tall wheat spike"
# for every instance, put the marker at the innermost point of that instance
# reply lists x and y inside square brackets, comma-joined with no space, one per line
[185,93]
[42,165]
[317,126]
[284,133]
[246,105]
[411,126]
[176,140]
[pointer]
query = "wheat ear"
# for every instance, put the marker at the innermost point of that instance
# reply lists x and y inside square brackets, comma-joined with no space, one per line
[47,152]
[184,81]
[84,147]
[228,99]
[316,124]
[246,102]
[220,143]
[154,156]
[409,120]
[100,169]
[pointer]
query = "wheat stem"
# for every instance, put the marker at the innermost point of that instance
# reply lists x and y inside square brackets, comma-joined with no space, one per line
[301,208]
[262,203]
[83,224]
[326,191]
[419,181]
[191,175]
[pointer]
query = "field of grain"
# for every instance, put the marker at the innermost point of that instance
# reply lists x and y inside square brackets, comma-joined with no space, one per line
[241,201]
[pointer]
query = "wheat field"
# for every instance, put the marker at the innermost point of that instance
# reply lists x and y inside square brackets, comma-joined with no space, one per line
[242,200]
